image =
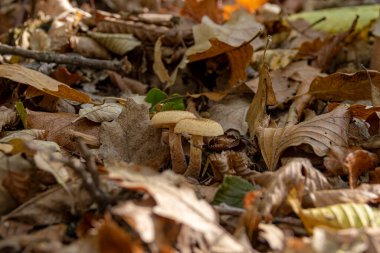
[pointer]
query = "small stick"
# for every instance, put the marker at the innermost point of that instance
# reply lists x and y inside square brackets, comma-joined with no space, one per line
[122,67]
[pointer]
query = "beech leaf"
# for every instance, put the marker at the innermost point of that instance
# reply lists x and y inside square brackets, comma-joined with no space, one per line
[321,133]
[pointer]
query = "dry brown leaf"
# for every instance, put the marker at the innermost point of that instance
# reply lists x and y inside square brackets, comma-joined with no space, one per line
[184,206]
[296,172]
[321,133]
[340,86]
[264,96]
[349,161]
[197,9]
[52,206]
[59,127]
[88,47]
[339,196]
[347,240]
[118,43]
[238,57]
[20,74]
[158,65]
[100,113]
[131,138]
[231,113]
[324,50]
[8,117]
[51,235]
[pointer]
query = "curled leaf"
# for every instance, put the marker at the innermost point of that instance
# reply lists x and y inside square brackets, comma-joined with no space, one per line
[321,133]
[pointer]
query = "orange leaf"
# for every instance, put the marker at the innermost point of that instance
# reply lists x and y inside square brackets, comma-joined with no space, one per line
[113,239]
[239,58]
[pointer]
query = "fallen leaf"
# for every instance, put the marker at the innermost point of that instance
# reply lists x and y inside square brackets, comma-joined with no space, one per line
[198,9]
[8,117]
[158,65]
[296,172]
[322,51]
[238,57]
[336,216]
[185,208]
[100,113]
[131,138]
[321,133]
[348,240]
[111,238]
[118,43]
[59,127]
[264,96]
[340,86]
[88,47]
[232,191]
[231,113]
[339,196]
[340,19]
[241,28]
[20,74]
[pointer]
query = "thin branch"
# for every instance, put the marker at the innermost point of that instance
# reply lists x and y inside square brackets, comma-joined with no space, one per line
[122,67]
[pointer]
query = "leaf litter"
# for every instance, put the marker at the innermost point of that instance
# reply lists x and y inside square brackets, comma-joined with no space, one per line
[82,169]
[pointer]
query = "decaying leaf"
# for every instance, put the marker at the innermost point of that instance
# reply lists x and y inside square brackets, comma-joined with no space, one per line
[158,66]
[231,113]
[340,196]
[296,172]
[264,96]
[185,208]
[118,43]
[131,138]
[340,86]
[100,113]
[8,117]
[238,57]
[88,47]
[42,82]
[321,133]
[336,216]
[241,28]
[58,127]
[198,9]
[349,161]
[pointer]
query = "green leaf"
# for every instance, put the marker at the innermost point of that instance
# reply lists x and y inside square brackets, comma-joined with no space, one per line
[232,191]
[174,103]
[154,97]
[21,112]
[340,19]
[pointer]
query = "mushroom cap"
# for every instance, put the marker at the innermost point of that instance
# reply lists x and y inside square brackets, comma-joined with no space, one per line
[199,126]
[166,119]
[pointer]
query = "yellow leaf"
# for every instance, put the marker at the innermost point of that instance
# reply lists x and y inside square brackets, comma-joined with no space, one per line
[335,216]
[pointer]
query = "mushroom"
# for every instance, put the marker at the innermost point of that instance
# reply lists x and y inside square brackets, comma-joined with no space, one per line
[198,128]
[168,119]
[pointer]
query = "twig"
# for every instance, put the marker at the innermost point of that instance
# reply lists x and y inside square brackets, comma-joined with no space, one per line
[88,173]
[122,67]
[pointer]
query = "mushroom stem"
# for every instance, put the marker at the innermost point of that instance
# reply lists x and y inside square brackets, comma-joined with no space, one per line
[195,162]
[176,152]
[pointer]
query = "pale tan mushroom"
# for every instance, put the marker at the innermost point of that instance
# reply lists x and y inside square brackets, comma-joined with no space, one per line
[168,119]
[198,128]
